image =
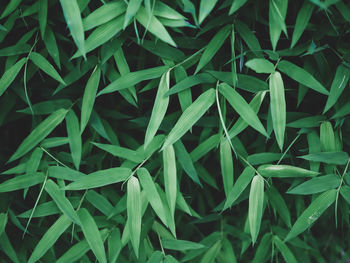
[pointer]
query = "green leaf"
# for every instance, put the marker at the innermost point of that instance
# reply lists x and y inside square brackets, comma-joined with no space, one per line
[49,238]
[100,178]
[114,245]
[61,201]
[302,76]
[277,14]
[226,164]
[279,205]
[256,201]
[260,65]
[10,75]
[39,133]
[302,21]
[89,97]
[211,254]
[132,78]
[339,158]
[345,193]
[134,212]
[21,182]
[249,38]
[312,213]
[284,249]
[205,8]
[278,107]
[45,66]
[236,4]
[92,235]
[65,173]
[316,185]
[71,13]
[151,192]
[213,46]
[307,122]
[43,5]
[122,152]
[3,222]
[160,107]
[283,171]
[153,25]
[100,202]
[133,7]
[190,116]
[240,185]
[339,83]
[75,143]
[104,14]
[242,107]
[10,7]
[52,47]
[181,245]
[170,178]
[263,249]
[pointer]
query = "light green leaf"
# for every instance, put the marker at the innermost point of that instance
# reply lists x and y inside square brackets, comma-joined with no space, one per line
[100,178]
[114,245]
[301,75]
[263,249]
[43,5]
[10,75]
[50,238]
[65,173]
[133,7]
[104,14]
[256,201]
[339,158]
[211,254]
[277,14]
[339,83]
[205,8]
[213,46]
[170,178]
[100,202]
[249,38]
[51,46]
[190,116]
[302,21]
[89,97]
[71,13]
[75,143]
[279,204]
[122,152]
[312,213]
[134,212]
[61,201]
[160,107]
[45,66]
[226,164]
[39,133]
[242,107]
[284,249]
[260,65]
[283,171]
[132,78]
[153,25]
[151,192]
[92,235]
[236,4]
[241,184]
[316,185]
[180,245]
[3,222]
[278,107]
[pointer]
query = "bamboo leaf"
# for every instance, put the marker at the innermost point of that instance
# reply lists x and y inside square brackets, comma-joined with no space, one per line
[75,143]
[100,178]
[92,235]
[226,164]
[10,7]
[190,116]
[39,133]
[43,5]
[301,22]
[284,249]
[160,107]
[339,158]
[170,178]
[213,46]
[256,201]
[89,97]
[260,65]
[279,205]
[282,171]
[236,4]
[49,238]
[312,213]
[205,8]
[122,152]
[242,107]
[10,75]
[71,13]
[134,212]
[278,107]
[133,7]
[3,222]
[302,76]
[181,245]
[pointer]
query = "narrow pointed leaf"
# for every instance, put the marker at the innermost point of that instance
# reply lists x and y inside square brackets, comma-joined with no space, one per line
[312,213]
[75,143]
[260,65]
[339,158]
[92,235]
[284,249]
[190,116]
[226,164]
[236,4]
[170,178]
[282,171]
[302,20]
[180,245]
[134,212]
[256,201]
[39,133]
[242,107]
[278,107]
[10,75]
[205,8]
[122,152]
[278,203]
[133,7]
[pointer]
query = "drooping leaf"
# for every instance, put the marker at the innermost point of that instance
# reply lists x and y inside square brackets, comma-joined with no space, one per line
[226,164]
[170,177]
[284,249]
[256,201]
[205,8]
[74,138]
[302,20]
[10,75]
